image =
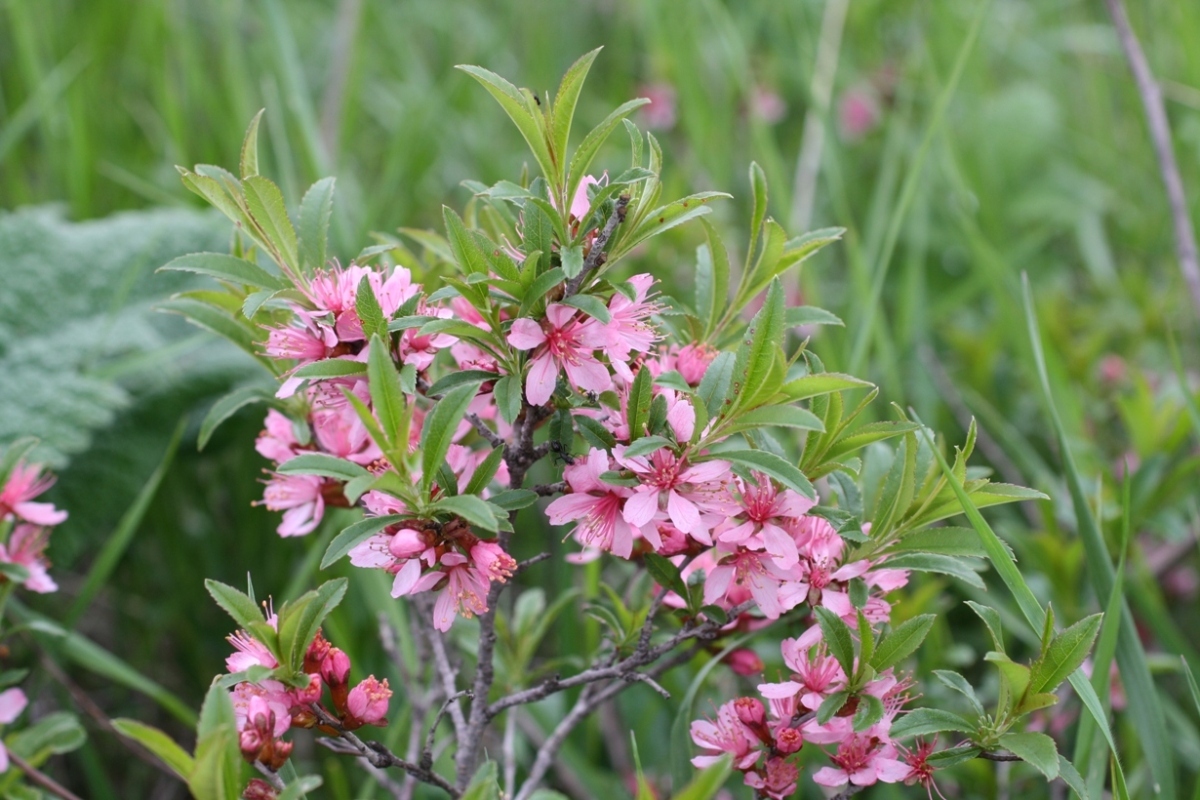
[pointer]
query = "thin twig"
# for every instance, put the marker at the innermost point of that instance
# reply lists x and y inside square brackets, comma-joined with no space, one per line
[441,662]
[1160,133]
[271,776]
[431,737]
[41,779]
[529,562]
[379,756]
[547,489]
[596,256]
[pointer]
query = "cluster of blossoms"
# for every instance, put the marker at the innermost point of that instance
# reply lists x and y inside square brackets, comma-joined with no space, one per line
[267,709]
[761,739]
[28,525]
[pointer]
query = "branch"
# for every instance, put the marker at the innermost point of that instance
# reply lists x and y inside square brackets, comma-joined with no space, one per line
[547,489]
[596,256]
[1160,133]
[377,755]
[41,779]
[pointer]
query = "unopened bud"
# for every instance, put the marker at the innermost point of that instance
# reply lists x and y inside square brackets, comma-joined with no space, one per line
[309,694]
[316,653]
[335,669]
[744,661]
[788,741]
[259,789]
[749,710]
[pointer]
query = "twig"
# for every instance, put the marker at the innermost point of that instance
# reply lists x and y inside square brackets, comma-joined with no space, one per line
[483,430]
[41,779]
[441,663]
[547,489]
[271,776]
[596,256]
[379,756]
[529,562]
[1160,133]
[986,756]
[427,751]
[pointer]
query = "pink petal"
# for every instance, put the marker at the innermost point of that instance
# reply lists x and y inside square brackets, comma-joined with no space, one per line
[570,507]
[40,513]
[778,691]
[641,508]
[526,334]
[683,512]
[406,578]
[829,776]
[443,611]
[588,373]
[780,545]
[543,375]
[12,703]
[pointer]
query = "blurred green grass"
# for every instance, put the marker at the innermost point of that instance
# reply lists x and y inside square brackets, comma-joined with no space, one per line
[1041,165]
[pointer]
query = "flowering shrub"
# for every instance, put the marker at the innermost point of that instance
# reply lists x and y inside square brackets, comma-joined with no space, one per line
[700,439]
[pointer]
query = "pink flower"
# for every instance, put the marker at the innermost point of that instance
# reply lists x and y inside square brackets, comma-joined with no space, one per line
[12,703]
[24,483]
[858,112]
[630,328]
[595,505]
[491,561]
[26,547]
[659,114]
[565,343]
[726,734]
[368,701]
[816,674]
[670,484]
[748,572]
[580,204]
[301,500]
[744,661]
[693,360]
[863,760]
[765,510]
[250,653]
[465,591]
[278,439]
[777,780]
[262,707]
[307,342]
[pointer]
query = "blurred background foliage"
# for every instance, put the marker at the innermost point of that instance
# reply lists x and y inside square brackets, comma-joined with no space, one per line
[1041,164]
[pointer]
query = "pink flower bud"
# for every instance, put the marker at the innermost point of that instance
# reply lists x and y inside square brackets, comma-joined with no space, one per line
[744,661]
[250,743]
[258,789]
[335,669]
[492,561]
[693,360]
[309,694]
[749,710]
[788,741]
[316,653]
[407,543]
[368,701]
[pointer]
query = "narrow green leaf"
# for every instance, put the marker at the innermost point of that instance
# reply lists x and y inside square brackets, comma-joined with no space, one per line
[471,508]
[665,574]
[563,110]
[522,111]
[355,535]
[508,394]
[235,603]
[1065,654]
[226,268]
[637,410]
[300,620]
[440,426]
[316,210]
[770,464]
[370,314]
[249,161]
[901,642]
[924,721]
[326,466]
[158,743]
[387,398]
[991,618]
[1034,748]
[931,562]
[582,158]
[757,353]
[265,202]
[837,636]
[592,306]
[331,368]
[820,383]
[714,386]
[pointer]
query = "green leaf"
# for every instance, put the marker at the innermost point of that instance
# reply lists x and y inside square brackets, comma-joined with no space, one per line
[770,464]
[831,705]
[810,315]
[666,217]
[17,573]
[158,743]
[355,535]
[226,407]
[1067,771]
[467,253]
[471,508]
[563,110]
[482,477]
[757,353]
[714,386]
[596,434]
[901,642]
[819,384]
[217,774]
[300,620]
[447,382]
[387,398]
[316,209]
[513,499]
[712,280]
[946,541]
[438,432]
[326,466]
[572,260]
[779,417]
[1065,654]
[665,574]
[1034,748]
[265,202]
[370,314]
[592,306]
[1014,680]
[924,721]
[53,734]
[931,562]
[235,603]
[867,434]
[638,408]
[331,368]
[991,618]
[297,788]
[645,446]
[207,316]
[522,111]
[508,394]
[836,634]
[869,711]
[249,162]
[959,684]
[226,268]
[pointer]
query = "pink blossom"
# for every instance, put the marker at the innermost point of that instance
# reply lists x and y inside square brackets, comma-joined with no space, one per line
[777,780]
[765,510]
[465,592]
[752,573]
[630,328]
[563,343]
[726,734]
[580,203]
[660,113]
[595,505]
[250,653]
[744,661]
[420,349]
[767,105]
[693,360]
[24,483]
[368,701]
[862,761]
[670,484]
[12,703]
[301,500]
[26,546]
[305,342]
[278,439]
[815,673]
[491,561]
[262,706]
[858,112]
